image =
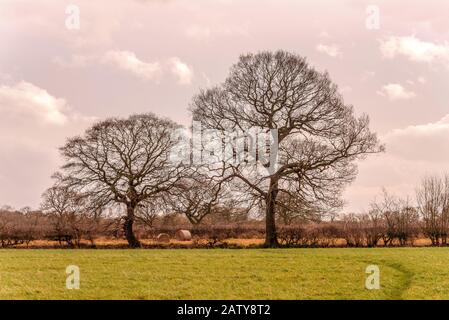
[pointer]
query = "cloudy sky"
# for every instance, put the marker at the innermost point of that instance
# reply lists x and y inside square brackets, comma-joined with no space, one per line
[390,59]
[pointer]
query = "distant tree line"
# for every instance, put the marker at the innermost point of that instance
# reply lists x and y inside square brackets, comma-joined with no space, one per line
[80,229]
[390,221]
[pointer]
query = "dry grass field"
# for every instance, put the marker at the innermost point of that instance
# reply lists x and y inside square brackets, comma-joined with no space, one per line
[122,243]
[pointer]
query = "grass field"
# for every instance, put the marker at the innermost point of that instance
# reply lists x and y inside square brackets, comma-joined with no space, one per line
[405,273]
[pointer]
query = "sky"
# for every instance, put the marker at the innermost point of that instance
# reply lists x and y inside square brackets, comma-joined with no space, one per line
[64,65]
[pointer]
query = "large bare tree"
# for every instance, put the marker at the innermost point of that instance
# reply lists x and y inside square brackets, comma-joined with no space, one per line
[123,161]
[318,136]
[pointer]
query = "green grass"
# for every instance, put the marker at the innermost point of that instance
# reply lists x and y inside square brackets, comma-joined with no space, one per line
[406,273]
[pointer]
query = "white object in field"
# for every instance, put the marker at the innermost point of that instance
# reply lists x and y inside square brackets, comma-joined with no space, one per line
[183,235]
[163,237]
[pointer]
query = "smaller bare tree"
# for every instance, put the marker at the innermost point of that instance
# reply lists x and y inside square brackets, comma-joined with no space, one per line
[398,217]
[72,216]
[433,204]
[123,162]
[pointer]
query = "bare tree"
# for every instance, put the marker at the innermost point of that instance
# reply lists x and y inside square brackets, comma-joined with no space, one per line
[123,161]
[148,211]
[195,196]
[399,218]
[61,205]
[318,136]
[433,204]
[291,209]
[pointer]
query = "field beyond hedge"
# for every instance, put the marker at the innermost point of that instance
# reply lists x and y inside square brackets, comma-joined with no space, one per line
[405,273]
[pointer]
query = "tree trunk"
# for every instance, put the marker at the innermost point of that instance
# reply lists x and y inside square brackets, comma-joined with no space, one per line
[271,240]
[128,228]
